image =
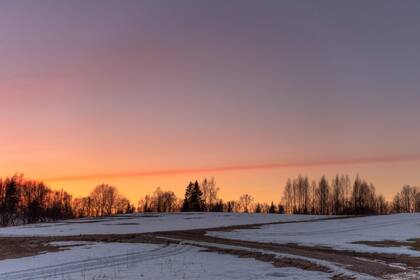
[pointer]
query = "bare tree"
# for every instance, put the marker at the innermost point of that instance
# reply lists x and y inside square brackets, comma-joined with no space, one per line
[245,202]
[338,196]
[168,201]
[288,197]
[122,206]
[346,185]
[323,196]
[381,205]
[160,201]
[396,204]
[210,191]
[407,200]
[104,198]
[313,197]
[145,204]
[417,199]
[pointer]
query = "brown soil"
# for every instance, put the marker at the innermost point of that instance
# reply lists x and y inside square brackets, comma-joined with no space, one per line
[11,248]
[257,226]
[267,257]
[411,243]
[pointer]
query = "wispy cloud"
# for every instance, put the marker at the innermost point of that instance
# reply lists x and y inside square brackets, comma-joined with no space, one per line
[231,168]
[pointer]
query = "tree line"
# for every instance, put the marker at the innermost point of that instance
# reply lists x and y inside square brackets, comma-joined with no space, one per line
[341,196]
[202,197]
[28,201]
[25,201]
[104,200]
[338,197]
[407,200]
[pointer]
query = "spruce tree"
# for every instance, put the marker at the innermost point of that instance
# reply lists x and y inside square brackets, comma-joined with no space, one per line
[193,201]
[186,204]
[11,201]
[272,208]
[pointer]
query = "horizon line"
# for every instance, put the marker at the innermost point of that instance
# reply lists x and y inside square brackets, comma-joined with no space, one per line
[232,168]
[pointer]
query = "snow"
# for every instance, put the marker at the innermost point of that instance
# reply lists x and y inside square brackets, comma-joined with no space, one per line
[339,233]
[143,261]
[142,223]
[335,269]
[91,260]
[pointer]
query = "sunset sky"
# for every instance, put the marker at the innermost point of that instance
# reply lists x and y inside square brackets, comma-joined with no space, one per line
[143,94]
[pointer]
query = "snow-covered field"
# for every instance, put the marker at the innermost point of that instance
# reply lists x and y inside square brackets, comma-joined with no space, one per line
[339,234]
[142,223]
[143,261]
[188,260]
[91,260]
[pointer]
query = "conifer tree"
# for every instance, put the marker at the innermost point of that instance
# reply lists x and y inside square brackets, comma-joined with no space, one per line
[193,201]
[272,208]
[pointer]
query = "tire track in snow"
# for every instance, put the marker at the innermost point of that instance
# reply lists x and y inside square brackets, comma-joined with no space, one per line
[54,271]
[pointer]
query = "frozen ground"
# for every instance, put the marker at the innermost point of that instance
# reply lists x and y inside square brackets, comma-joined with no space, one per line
[187,260]
[141,223]
[143,261]
[339,234]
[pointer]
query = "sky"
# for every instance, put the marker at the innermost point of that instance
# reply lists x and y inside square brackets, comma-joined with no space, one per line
[142,94]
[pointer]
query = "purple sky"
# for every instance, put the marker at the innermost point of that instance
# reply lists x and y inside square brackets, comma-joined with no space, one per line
[96,87]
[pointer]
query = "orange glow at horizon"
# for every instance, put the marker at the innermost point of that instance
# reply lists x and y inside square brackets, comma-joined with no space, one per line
[264,181]
[139,95]
[391,159]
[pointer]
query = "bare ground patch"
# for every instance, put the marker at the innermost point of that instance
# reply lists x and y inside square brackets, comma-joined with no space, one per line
[410,243]
[267,257]
[11,248]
